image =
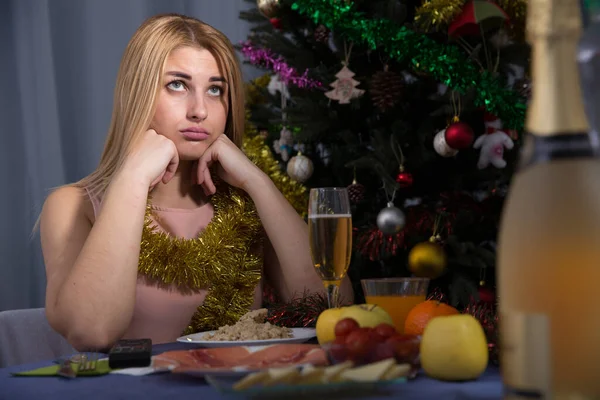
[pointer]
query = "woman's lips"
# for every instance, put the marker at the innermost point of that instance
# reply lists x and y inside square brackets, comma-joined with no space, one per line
[195,135]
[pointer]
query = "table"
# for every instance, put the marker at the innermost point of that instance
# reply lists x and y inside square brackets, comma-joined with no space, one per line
[181,387]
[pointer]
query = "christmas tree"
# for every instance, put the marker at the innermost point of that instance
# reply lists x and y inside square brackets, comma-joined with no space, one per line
[416,106]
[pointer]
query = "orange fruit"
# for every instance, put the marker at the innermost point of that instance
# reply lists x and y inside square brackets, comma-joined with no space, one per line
[422,313]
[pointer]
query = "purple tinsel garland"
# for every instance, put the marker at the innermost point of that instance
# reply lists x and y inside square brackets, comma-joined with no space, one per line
[287,74]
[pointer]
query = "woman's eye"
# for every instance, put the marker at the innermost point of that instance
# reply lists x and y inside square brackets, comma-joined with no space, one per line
[177,86]
[215,91]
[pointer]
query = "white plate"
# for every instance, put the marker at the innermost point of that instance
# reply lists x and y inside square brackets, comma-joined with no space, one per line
[299,335]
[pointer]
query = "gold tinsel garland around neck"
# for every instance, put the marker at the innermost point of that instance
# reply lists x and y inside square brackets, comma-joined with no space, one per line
[226,259]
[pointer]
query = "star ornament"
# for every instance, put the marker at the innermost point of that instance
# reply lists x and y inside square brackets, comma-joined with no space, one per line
[344,87]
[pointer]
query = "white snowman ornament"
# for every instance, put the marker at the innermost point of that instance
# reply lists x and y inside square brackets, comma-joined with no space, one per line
[493,143]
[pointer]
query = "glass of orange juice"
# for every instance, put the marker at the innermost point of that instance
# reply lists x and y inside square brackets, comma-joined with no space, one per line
[397,296]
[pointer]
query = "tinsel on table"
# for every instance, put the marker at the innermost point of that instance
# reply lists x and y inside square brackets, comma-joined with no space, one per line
[447,63]
[487,316]
[301,312]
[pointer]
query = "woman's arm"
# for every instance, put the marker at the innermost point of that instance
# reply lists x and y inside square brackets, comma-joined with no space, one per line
[288,264]
[92,270]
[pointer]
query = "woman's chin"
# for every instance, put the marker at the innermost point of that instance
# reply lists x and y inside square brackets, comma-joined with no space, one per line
[189,155]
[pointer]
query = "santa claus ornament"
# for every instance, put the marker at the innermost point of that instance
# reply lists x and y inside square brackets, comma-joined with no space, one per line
[492,144]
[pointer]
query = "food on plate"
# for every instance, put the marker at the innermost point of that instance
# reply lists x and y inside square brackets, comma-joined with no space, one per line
[365,315]
[251,326]
[311,375]
[240,357]
[454,348]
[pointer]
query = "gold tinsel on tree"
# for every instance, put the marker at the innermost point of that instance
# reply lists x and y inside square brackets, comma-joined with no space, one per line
[385,89]
[437,15]
[517,11]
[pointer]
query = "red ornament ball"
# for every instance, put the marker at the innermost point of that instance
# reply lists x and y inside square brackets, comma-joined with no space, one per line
[486,295]
[405,179]
[459,135]
[276,22]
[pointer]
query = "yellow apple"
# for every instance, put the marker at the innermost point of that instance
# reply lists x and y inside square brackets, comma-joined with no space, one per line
[367,315]
[326,324]
[454,348]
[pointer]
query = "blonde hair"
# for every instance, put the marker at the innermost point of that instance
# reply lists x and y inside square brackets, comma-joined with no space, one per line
[139,81]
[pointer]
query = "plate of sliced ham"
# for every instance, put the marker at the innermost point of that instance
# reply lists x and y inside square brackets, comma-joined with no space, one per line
[241,360]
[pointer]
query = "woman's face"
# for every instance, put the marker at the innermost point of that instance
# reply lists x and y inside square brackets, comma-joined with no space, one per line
[192,105]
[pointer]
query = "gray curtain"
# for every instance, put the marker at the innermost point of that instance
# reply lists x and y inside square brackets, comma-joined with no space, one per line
[58,64]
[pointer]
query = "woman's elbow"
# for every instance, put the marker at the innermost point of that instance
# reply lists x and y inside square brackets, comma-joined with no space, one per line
[90,339]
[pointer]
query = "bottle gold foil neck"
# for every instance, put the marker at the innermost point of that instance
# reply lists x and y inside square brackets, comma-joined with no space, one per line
[551,18]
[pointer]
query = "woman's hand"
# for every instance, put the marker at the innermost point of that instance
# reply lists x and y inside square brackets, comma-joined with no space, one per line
[153,158]
[232,166]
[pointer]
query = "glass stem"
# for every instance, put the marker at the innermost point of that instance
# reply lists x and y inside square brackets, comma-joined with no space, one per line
[333,291]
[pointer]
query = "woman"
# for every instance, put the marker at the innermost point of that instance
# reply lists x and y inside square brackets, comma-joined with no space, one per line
[193,258]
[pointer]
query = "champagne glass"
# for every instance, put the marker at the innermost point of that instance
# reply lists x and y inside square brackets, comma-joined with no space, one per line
[330,236]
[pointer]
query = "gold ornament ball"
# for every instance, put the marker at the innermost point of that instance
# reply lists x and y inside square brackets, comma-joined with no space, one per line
[427,260]
[268,8]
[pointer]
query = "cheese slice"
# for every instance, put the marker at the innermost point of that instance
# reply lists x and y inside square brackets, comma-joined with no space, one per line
[397,371]
[332,373]
[250,380]
[285,375]
[311,375]
[368,373]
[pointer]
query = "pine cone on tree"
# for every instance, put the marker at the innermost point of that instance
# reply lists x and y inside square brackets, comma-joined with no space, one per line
[356,192]
[386,88]
[321,34]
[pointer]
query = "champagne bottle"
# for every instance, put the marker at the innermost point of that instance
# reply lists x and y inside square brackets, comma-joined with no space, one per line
[549,241]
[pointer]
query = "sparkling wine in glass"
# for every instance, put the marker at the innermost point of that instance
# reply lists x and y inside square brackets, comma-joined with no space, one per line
[330,236]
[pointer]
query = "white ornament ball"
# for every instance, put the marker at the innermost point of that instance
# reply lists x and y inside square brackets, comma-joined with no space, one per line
[441,147]
[300,168]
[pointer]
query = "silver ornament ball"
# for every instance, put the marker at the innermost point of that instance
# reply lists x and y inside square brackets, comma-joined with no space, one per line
[391,219]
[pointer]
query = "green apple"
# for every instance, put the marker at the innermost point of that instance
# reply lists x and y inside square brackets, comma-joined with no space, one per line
[367,315]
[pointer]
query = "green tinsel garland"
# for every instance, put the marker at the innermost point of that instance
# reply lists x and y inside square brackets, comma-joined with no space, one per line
[446,63]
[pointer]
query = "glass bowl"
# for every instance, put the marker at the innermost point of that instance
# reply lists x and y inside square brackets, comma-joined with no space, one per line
[404,348]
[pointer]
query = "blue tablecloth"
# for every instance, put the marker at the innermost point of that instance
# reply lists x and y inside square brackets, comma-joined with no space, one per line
[180,387]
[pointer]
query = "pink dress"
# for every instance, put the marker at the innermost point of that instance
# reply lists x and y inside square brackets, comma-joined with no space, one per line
[163,313]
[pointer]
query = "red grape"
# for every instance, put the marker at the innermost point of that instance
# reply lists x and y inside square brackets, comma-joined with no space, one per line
[385,330]
[344,326]
[406,347]
[382,351]
[338,350]
[359,342]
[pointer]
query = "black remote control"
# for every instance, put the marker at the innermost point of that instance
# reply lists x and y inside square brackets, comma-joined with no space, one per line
[127,353]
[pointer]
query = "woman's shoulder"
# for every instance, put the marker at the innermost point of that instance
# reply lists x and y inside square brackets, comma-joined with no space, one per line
[70,199]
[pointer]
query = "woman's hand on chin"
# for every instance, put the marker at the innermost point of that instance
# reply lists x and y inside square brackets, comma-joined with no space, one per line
[232,166]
